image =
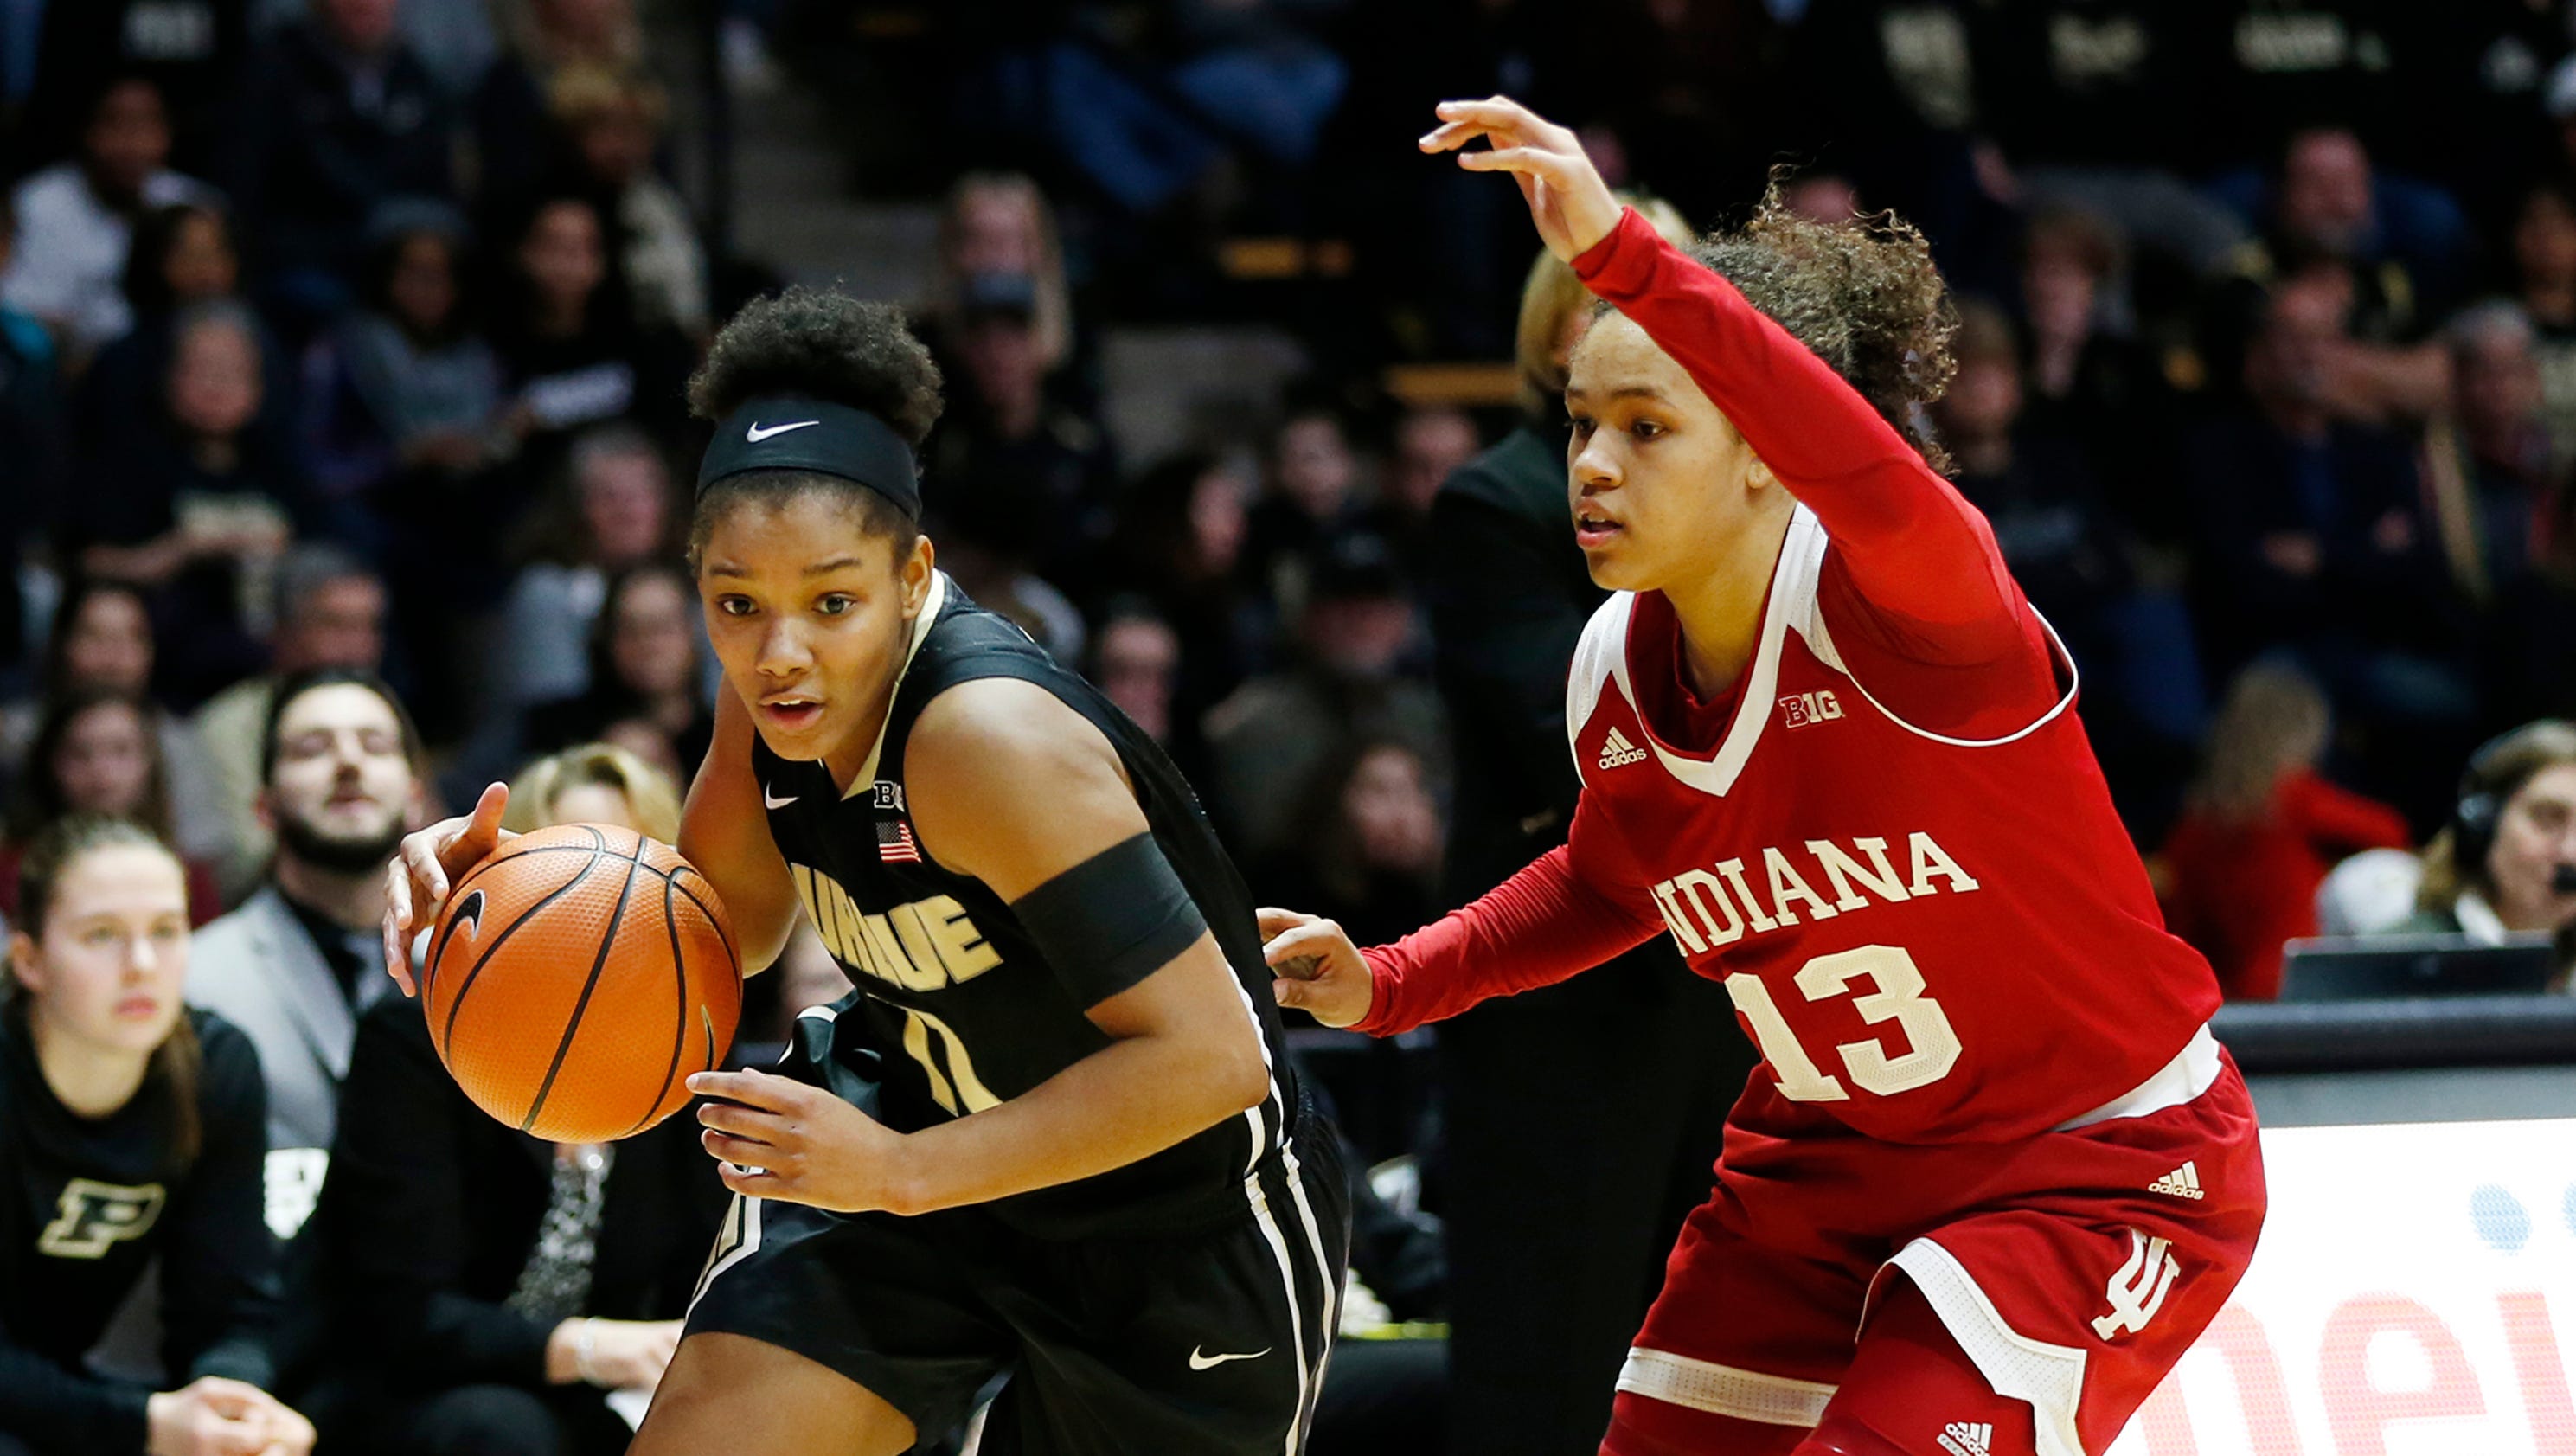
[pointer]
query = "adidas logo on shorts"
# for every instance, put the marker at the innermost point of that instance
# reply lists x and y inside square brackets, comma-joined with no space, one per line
[2182,1182]
[1968,1438]
[1618,752]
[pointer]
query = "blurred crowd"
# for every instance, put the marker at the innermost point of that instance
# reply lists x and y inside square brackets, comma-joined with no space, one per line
[342,454]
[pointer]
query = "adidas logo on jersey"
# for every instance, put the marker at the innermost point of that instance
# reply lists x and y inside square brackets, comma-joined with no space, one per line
[1618,752]
[2182,1182]
[1968,1438]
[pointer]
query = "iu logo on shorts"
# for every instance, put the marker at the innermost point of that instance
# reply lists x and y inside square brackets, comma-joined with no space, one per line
[2139,1289]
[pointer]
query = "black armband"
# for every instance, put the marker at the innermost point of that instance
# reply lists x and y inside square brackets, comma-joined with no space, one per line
[1112,920]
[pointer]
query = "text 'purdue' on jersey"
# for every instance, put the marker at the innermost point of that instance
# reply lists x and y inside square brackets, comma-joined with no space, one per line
[959,1006]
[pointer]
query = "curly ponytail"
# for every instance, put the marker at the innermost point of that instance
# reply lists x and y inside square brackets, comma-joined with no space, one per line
[1863,294]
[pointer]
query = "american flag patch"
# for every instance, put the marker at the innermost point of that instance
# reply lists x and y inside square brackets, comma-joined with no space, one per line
[894,842]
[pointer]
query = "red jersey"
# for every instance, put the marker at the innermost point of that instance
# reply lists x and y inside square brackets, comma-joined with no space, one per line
[1890,841]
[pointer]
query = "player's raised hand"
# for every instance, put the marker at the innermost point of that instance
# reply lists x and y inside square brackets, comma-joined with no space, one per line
[427,863]
[1320,972]
[1567,198]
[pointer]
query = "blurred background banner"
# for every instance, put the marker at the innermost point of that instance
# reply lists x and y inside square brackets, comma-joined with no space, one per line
[2415,1295]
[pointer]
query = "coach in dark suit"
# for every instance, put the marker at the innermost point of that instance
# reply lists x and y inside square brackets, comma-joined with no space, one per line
[489,1289]
[1582,1119]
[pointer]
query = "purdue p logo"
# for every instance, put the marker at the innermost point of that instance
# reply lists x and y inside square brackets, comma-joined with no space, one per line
[91,1216]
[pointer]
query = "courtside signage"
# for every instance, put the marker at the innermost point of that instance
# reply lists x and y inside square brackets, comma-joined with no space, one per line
[2414,1295]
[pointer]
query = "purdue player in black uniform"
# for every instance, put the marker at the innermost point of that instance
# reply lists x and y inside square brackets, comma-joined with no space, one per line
[1054,1133]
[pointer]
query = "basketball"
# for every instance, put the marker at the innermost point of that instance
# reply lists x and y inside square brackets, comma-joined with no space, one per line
[577,978]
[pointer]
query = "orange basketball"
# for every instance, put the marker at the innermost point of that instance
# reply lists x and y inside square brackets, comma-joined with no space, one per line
[577,978]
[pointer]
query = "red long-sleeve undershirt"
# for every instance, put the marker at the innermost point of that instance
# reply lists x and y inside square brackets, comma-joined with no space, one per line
[1917,594]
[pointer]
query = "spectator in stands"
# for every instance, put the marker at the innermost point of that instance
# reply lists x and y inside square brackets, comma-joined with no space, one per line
[647,675]
[403,387]
[595,783]
[102,642]
[1021,474]
[2544,263]
[192,51]
[338,119]
[515,150]
[492,1287]
[572,355]
[2090,382]
[2327,220]
[1430,443]
[302,957]
[1314,496]
[194,503]
[1367,846]
[999,224]
[33,453]
[1136,661]
[183,257]
[95,753]
[2262,829]
[330,613]
[1269,738]
[2312,537]
[1180,540]
[618,509]
[75,219]
[614,123]
[2506,863]
[129,1142]
[2495,496]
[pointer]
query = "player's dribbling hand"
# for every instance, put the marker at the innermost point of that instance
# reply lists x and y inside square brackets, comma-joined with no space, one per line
[1567,198]
[429,860]
[775,1137]
[1320,972]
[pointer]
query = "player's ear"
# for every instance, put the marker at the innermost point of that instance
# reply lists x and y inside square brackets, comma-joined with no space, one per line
[916,570]
[1758,476]
[24,964]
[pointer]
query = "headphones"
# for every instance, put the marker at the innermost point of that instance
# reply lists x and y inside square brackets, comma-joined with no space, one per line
[2480,806]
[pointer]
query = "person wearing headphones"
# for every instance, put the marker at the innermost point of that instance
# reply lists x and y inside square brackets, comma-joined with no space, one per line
[2506,863]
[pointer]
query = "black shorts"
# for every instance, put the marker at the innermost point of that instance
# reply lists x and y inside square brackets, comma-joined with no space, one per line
[1209,1342]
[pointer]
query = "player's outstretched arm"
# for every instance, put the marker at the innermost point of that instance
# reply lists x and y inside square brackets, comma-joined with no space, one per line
[428,861]
[1009,785]
[724,831]
[1565,912]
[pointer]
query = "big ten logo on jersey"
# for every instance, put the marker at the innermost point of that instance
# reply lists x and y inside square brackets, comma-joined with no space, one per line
[922,946]
[91,1217]
[1801,710]
[889,795]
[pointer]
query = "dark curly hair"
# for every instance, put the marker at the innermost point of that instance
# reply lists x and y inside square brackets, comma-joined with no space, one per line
[1864,295]
[824,344]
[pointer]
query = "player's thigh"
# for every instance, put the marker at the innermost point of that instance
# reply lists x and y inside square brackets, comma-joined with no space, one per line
[745,1397]
[1911,1391]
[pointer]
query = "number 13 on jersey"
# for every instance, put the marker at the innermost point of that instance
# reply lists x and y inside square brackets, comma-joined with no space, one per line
[1894,993]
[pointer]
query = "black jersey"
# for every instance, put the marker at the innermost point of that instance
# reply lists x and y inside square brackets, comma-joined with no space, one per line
[961,1007]
[86,1204]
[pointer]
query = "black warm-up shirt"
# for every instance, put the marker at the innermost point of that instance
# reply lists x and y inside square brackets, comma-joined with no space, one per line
[87,1204]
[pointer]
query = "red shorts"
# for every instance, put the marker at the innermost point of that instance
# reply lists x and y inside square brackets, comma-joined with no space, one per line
[2073,1268]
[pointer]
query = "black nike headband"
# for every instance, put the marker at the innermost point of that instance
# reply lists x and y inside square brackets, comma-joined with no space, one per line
[790,432]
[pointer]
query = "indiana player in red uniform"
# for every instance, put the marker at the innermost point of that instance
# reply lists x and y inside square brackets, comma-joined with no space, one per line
[1993,1175]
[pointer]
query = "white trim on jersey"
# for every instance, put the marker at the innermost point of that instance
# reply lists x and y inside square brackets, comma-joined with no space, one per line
[1601,659]
[1272,1097]
[921,625]
[1724,1390]
[2050,1377]
[2190,1073]
[1330,1324]
[1260,1202]
[747,1210]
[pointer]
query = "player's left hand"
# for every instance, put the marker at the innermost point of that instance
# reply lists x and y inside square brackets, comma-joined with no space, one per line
[1567,198]
[775,1137]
